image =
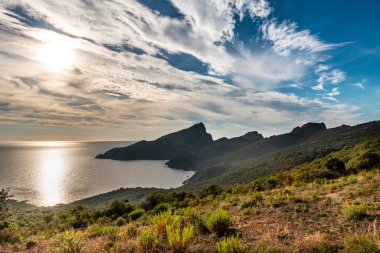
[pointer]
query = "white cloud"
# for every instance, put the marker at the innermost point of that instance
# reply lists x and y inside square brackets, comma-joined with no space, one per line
[318,87]
[286,38]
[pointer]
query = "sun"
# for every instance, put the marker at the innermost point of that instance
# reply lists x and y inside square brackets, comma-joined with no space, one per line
[56,55]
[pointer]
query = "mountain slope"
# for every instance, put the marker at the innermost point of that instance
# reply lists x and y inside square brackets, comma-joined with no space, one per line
[165,147]
[279,153]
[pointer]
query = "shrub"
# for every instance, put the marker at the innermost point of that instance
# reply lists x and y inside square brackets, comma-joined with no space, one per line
[355,212]
[31,244]
[264,183]
[148,240]
[99,230]
[179,236]
[267,249]
[10,235]
[360,244]
[275,201]
[153,199]
[134,215]
[210,190]
[120,221]
[69,242]
[336,165]
[366,162]
[78,217]
[6,212]
[119,208]
[253,200]
[161,220]
[219,222]
[132,231]
[162,207]
[192,216]
[230,244]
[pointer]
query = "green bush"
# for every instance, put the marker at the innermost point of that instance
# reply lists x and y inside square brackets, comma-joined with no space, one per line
[132,231]
[192,216]
[100,230]
[178,235]
[252,200]
[134,215]
[367,161]
[360,244]
[148,240]
[160,208]
[10,236]
[230,244]
[69,242]
[219,222]
[176,198]
[355,212]
[264,183]
[120,221]
[210,190]
[78,217]
[336,165]
[6,212]
[119,208]
[31,243]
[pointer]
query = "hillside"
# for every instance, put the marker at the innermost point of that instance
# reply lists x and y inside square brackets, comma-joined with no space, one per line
[244,158]
[164,148]
[330,204]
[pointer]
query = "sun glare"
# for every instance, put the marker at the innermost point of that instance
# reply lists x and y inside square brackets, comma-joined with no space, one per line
[56,55]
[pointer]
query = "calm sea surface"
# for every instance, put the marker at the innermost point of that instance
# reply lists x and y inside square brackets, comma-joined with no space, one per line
[49,173]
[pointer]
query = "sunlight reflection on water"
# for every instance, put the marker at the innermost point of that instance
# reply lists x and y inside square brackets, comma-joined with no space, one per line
[49,173]
[50,176]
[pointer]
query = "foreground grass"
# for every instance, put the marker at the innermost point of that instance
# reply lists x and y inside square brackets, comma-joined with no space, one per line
[336,209]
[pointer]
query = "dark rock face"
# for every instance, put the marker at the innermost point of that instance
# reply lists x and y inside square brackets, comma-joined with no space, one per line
[165,147]
[250,145]
[220,147]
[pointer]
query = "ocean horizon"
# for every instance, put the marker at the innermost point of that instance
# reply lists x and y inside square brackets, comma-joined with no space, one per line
[48,173]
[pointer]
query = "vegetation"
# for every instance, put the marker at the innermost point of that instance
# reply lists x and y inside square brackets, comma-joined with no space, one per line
[219,222]
[230,244]
[329,204]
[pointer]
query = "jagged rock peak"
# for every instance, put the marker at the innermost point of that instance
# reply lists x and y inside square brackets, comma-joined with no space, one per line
[253,135]
[311,126]
[199,126]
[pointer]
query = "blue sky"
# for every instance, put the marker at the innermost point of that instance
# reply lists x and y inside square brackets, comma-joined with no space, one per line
[136,69]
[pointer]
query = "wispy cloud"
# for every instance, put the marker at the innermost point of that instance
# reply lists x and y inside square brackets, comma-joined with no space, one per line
[285,38]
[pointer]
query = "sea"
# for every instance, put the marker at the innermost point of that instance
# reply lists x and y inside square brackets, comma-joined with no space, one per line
[51,173]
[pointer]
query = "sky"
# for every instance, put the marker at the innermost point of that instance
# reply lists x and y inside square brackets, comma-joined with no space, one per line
[137,69]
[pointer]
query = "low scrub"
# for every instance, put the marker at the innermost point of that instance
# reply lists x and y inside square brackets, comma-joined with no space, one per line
[179,235]
[69,242]
[219,222]
[99,230]
[148,240]
[134,215]
[355,212]
[361,244]
[230,244]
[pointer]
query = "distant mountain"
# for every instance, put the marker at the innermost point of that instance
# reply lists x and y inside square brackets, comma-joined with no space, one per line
[165,147]
[270,155]
[246,157]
